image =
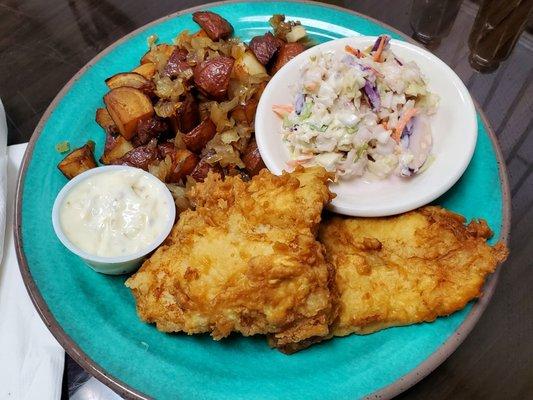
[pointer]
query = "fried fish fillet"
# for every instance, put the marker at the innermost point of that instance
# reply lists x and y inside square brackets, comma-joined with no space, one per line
[406,269]
[245,260]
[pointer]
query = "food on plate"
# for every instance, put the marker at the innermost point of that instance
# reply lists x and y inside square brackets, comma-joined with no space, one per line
[244,255]
[115,148]
[252,159]
[265,47]
[286,53]
[131,79]
[203,167]
[189,107]
[213,25]
[244,260]
[360,113]
[127,107]
[187,116]
[157,55]
[288,31]
[212,77]
[78,161]
[141,157]
[196,139]
[147,70]
[105,121]
[115,213]
[406,269]
[183,163]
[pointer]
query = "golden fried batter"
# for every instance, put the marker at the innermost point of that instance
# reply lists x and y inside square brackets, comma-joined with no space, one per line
[406,269]
[245,260]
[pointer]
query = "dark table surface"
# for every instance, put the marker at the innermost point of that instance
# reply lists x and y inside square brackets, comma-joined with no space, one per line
[43,43]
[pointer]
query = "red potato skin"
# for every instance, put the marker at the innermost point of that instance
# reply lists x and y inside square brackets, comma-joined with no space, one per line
[265,47]
[287,52]
[187,116]
[212,77]
[213,25]
[147,130]
[183,163]
[177,63]
[140,157]
[252,158]
[166,149]
[196,139]
[112,144]
[202,169]
[245,113]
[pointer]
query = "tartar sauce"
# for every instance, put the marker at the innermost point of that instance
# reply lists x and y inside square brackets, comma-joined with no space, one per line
[115,213]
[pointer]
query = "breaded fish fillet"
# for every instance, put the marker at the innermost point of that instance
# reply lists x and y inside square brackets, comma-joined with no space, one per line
[245,260]
[406,269]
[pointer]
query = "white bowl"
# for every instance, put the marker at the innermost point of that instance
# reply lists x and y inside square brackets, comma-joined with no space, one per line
[111,265]
[454,130]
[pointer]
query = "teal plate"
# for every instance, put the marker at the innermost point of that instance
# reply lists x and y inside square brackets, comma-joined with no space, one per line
[93,315]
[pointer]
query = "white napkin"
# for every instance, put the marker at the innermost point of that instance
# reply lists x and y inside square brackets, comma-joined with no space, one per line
[31,360]
[3,176]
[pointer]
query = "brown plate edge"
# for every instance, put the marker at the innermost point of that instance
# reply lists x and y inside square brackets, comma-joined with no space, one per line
[121,388]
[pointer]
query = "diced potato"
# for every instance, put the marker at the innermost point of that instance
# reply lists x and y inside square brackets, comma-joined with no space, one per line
[131,79]
[202,169]
[196,139]
[287,52]
[140,157]
[245,113]
[296,33]
[248,65]
[105,121]
[158,55]
[212,76]
[127,106]
[183,163]
[187,116]
[147,70]
[115,148]
[252,158]
[78,161]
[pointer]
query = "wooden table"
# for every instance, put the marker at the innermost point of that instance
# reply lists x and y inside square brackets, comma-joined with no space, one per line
[44,43]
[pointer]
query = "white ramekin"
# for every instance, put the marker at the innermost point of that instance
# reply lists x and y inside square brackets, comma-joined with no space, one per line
[111,265]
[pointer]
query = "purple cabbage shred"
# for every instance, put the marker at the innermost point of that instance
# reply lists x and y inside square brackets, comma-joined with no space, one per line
[372,95]
[349,60]
[299,103]
[352,61]
[408,130]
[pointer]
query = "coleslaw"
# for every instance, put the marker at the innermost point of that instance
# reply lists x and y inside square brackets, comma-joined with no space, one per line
[360,113]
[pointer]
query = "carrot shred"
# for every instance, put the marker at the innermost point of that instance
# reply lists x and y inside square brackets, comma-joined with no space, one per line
[355,52]
[400,126]
[379,51]
[282,109]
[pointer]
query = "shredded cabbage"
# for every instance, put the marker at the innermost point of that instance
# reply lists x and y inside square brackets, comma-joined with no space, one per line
[353,111]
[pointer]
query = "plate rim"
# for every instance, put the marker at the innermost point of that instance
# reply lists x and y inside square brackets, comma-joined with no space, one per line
[126,391]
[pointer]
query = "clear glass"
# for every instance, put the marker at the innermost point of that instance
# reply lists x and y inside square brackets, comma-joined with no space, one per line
[432,20]
[496,30]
